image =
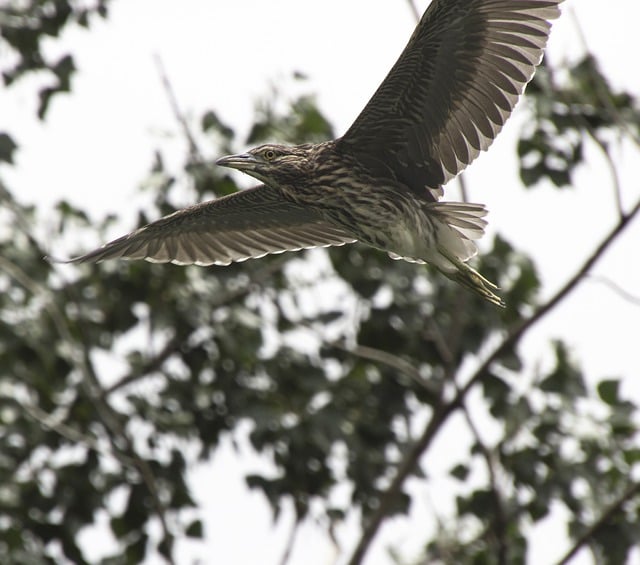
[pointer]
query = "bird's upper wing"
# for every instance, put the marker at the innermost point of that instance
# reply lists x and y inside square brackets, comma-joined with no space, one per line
[453,87]
[248,224]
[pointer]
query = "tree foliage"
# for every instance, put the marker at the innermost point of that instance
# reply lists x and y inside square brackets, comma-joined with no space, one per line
[112,377]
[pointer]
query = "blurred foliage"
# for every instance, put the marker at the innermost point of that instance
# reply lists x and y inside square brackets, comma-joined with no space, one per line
[570,105]
[301,121]
[115,379]
[7,147]
[559,444]
[26,24]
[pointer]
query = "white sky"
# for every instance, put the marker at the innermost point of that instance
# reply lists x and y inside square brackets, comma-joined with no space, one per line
[96,147]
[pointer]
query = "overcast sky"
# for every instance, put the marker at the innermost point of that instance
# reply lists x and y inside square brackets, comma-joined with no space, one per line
[96,147]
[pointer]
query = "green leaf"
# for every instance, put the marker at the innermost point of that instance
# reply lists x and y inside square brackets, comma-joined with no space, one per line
[632,456]
[211,121]
[119,527]
[7,147]
[565,379]
[496,390]
[609,390]
[460,472]
[62,70]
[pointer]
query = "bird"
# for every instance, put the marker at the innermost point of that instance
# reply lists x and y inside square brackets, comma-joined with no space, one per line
[443,102]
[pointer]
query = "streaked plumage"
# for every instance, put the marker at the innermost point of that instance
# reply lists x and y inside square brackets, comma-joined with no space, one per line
[443,102]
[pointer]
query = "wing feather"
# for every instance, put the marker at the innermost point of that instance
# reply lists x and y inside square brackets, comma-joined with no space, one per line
[248,224]
[453,87]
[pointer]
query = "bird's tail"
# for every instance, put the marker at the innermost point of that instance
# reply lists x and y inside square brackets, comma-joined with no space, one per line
[460,224]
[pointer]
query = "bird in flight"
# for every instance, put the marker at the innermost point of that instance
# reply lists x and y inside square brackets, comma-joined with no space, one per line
[443,102]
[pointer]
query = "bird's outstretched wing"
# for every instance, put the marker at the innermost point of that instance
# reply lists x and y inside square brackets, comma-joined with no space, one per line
[453,87]
[248,224]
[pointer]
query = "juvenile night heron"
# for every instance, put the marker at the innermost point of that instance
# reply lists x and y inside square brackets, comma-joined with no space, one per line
[444,101]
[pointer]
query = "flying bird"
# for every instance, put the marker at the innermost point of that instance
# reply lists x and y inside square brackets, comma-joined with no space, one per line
[443,102]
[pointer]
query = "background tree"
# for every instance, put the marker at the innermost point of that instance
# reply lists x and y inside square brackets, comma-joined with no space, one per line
[348,390]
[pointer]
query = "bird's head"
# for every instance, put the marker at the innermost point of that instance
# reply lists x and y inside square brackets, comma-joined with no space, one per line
[273,164]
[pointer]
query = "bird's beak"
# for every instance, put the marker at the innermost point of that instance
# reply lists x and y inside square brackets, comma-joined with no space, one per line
[242,162]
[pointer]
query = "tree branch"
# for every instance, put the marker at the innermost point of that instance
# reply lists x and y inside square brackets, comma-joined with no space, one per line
[600,523]
[442,413]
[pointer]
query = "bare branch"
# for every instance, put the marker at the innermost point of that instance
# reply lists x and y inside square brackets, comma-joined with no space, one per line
[600,523]
[152,365]
[194,152]
[625,294]
[286,555]
[121,442]
[592,133]
[55,423]
[615,177]
[462,184]
[442,412]
[500,513]
[390,360]
[414,10]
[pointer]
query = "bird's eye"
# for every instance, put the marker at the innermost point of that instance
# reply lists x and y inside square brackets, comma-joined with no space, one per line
[269,154]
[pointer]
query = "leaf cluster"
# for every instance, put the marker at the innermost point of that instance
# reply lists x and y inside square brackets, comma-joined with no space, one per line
[24,26]
[572,105]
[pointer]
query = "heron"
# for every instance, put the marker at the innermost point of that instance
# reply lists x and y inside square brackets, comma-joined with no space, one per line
[444,101]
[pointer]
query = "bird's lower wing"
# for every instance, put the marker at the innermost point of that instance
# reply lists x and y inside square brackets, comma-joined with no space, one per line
[248,224]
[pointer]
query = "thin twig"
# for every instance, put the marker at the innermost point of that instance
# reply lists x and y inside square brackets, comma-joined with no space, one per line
[152,365]
[615,177]
[286,555]
[7,199]
[500,514]
[414,10]
[390,360]
[434,335]
[625,294]
[36,289]
[448,360]
[442,413]
[121,442]
[462,183]
[591,132]
[194,152]
[602,90]
[600,523]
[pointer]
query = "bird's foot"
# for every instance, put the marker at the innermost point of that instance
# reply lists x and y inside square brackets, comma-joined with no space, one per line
[472,279]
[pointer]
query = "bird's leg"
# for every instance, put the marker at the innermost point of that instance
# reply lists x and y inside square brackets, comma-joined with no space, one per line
[471,279]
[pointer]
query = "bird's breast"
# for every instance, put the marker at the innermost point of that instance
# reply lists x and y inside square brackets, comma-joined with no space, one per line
[379,215]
